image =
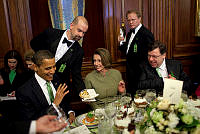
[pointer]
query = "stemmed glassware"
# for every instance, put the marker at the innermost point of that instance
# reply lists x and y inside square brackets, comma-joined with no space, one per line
[58,111]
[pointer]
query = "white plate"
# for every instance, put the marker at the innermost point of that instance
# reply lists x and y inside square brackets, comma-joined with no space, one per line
[92,95]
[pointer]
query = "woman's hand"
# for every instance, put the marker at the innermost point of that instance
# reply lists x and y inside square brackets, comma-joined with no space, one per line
[121,86]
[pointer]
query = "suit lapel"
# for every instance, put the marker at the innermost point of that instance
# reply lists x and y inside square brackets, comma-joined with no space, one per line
[54,45]
[169,67]
[37,90]
[68,54]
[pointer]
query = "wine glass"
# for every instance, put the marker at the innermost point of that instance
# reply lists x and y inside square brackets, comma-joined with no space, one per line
[150,95]
[58,111]
[110,110]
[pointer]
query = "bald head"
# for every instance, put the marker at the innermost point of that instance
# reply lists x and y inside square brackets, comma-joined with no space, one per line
[80,19]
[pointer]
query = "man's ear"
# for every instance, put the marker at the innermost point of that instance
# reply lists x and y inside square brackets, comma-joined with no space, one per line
[35,67]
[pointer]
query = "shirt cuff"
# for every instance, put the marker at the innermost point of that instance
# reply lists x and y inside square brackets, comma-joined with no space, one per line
[32,129]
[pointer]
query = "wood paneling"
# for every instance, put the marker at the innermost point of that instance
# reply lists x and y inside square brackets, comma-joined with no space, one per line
[15,26]
[94,38]
[40,17]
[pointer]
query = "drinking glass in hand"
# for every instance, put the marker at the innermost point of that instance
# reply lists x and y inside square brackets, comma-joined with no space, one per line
[58,111]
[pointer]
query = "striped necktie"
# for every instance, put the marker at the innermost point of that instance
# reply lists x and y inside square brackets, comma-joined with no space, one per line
[50,91]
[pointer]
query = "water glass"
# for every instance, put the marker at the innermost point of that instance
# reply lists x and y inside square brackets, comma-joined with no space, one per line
[104,127]
[110,110]
[184,95]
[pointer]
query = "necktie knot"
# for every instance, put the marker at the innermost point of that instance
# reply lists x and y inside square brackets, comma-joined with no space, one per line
[66,41]
[132,30]
[158,71]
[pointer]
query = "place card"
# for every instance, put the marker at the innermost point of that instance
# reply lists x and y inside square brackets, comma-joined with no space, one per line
[172,90]
[79,130]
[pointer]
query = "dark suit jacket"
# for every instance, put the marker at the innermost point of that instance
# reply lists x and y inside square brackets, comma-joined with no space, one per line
[142,39]
[49,40]
[149,78]
[7,87]
[32,101]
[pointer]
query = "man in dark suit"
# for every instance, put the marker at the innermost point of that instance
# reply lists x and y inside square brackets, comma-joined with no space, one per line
[135,47]
[68,52]
[157,68]
[39,93]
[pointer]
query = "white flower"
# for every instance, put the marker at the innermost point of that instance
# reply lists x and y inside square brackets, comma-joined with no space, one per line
[173,120]
[151,130]
[163,105]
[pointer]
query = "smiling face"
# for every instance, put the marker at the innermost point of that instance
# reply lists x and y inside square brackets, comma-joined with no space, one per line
[155,58]
[47,69]
[133,20]
[12,64]
[97,63]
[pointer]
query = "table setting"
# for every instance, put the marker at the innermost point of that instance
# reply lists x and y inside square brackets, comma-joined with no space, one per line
[145,113]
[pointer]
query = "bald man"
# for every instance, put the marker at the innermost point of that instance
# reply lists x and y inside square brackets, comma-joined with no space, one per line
[68,52]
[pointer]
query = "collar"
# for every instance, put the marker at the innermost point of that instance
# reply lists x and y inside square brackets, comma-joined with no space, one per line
[65,36]
[163,65]
[40,80]
[137,28]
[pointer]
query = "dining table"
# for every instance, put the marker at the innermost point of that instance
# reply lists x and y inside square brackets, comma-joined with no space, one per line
[78,126]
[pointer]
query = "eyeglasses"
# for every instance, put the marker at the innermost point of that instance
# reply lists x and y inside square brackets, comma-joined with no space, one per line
[133,20]
[153,56]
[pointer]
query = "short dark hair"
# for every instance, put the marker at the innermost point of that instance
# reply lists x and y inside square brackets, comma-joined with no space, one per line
[106,59]
[40,55]
[157,44]
[133,11]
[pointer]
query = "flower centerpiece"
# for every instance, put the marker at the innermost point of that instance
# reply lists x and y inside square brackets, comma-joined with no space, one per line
[161,117]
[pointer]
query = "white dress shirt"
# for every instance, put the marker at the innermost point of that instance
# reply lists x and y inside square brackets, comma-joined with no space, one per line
[163,70]
[132,37]
[43,85]
[62,47]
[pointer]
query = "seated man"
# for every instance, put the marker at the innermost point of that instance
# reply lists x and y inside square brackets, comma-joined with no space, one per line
[39,93]
[157,68]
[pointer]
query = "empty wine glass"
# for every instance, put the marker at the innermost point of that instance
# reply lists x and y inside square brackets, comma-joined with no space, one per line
[58,111]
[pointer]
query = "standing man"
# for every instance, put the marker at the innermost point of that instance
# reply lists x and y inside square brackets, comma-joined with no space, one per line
[135,48]
[43,91]
[68,52]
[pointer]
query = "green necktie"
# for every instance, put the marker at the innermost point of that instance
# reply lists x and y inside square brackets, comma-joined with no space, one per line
[157,69]
[50,92]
